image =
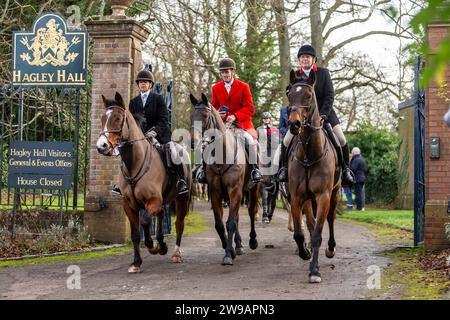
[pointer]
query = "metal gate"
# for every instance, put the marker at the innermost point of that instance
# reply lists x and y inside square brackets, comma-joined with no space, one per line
[47,115]
[418,103]
[419,157]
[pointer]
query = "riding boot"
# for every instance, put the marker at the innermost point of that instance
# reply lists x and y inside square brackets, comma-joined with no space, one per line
[283,171]
[255,174]
[181,183]
[348,176]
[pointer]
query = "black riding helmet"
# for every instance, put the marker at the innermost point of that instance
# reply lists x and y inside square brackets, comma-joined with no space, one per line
[307,49]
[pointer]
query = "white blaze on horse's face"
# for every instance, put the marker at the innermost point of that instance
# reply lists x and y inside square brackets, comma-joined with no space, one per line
[103,145]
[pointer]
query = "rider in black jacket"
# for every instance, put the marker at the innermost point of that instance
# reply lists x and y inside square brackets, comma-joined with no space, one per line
[325,96]
[150,110]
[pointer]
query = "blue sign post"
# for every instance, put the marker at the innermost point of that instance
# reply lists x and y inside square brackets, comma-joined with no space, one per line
[49,55]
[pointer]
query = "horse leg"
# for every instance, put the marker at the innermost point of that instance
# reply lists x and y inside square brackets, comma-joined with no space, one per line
[182,208]
[330,251]
[146,224]
[133,217]
[299,236]
[273,202]
[323,205]
[216,203]
[160,234]
[152,208]
[252,208]
[310,219]
[233,212]
[238,239]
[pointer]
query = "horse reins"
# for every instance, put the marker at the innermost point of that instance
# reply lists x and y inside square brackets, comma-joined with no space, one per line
[145,166]
[209,121]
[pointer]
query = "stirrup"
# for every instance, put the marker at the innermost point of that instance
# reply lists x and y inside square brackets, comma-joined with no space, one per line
[182,186]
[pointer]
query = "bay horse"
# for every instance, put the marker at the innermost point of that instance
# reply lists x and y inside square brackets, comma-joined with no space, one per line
[227,180]
[314,173]
[143,181]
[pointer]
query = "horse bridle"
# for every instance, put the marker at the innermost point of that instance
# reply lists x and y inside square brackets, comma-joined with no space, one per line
[307,121]
[145,164]
[308,125]
[121,142]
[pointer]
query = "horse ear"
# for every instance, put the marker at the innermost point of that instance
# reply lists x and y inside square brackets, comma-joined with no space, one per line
[204,99]
[119,100]
[194,101]
[104,100]
[293,77]
[311,79]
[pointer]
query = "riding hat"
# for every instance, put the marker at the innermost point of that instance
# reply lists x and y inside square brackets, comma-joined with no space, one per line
[265,115]
[227,63]
[306,49]
[145,75]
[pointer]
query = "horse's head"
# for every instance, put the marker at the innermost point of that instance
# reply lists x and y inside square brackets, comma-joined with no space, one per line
[200,118]
[302,102]
[113,121]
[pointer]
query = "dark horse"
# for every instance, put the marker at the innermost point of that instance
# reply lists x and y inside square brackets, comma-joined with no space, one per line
[144,181]
[226,179]
[314,172]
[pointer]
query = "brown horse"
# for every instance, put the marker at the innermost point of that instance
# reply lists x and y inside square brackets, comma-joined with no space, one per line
[144,181]
[227,180]
[314,172]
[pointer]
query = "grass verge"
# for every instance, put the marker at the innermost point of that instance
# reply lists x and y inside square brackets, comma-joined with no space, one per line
[404,278]
[194,223]
[403,219]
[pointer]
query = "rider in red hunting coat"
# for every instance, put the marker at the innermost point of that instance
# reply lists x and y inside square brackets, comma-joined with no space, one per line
[239,102]
[233,99]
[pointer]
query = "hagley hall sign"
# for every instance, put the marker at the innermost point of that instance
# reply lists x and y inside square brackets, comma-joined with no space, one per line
[50,55]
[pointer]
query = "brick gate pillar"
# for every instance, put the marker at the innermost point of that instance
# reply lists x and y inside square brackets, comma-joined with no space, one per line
[116,60]
[437,171]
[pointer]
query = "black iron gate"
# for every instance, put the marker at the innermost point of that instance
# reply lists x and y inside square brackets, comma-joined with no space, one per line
[48,115]
[419,157]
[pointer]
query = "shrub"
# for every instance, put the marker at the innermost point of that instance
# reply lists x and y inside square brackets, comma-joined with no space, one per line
[380,148]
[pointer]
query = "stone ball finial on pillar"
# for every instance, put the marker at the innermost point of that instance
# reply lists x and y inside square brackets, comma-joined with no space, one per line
[118,7]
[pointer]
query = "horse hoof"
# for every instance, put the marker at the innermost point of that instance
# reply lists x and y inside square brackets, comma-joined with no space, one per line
[240,251]
[305,255]
[253,244]
[233,253]
[227,261]
[329,253]
[176,259]
[154,250]
[315,279]
[163,249]
[266,220]
[134,269]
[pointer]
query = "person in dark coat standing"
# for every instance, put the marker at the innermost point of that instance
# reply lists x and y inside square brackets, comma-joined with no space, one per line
[150,111]
[359,167]
[324,91]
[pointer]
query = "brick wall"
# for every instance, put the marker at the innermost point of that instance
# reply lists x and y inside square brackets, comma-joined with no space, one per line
[116,60]
[437,171]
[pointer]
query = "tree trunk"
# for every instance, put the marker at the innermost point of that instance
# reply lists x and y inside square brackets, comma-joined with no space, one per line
[317,31]
[283,46]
